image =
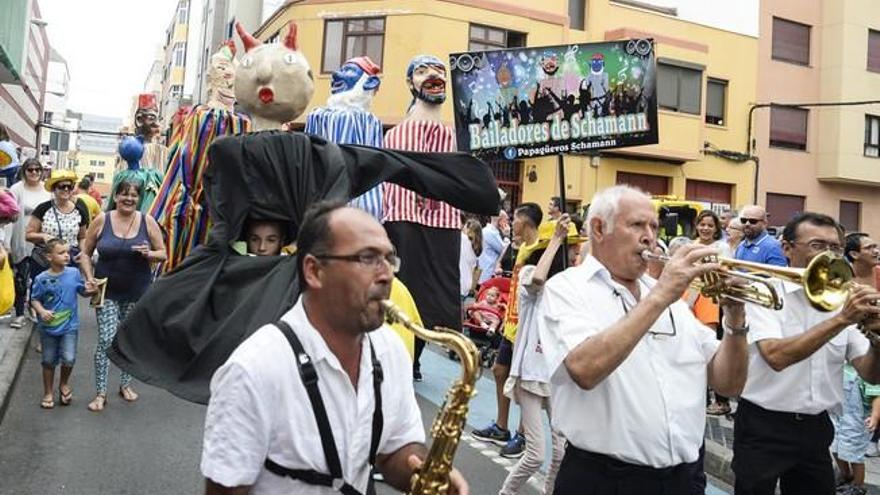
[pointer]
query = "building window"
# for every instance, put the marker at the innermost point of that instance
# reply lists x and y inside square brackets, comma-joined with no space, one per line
[716,99]
[182,12]
[850,215]
[577,13]
[99,175]
[47,117]
[873,50]
[93,163]
[791,41]
[179,57]
[655,185]
[348,38]
[489,38]
[508,175]
[679,88]
[274,38]
[176,91]
[788,127]
[714,193]
[783,207]
[872,136]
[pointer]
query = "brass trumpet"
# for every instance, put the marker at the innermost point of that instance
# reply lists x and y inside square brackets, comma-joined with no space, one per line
[826,280]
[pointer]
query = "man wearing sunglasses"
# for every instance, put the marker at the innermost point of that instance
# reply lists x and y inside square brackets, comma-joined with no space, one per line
[758,246]
[269,427]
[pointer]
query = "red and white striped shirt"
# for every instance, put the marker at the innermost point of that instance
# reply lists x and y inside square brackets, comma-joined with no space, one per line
[401,204]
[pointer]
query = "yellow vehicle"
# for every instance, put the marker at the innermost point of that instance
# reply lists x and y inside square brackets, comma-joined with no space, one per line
[676,216]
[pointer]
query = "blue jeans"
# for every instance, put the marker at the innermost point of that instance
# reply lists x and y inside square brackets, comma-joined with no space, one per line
[59,349]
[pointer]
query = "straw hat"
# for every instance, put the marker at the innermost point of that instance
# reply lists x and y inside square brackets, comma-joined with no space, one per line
[545,233]
[60,176]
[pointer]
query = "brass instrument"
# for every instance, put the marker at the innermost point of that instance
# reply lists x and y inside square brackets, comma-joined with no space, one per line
[433,477]
[826,280]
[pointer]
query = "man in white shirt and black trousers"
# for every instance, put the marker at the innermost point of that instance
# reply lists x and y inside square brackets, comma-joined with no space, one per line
[629,362]
[782,431]
[309,404]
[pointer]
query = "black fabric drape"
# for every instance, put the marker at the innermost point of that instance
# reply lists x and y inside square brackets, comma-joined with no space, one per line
[191,319]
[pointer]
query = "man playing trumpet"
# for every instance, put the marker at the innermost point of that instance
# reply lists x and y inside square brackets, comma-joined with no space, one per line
[629,363]
[796,356]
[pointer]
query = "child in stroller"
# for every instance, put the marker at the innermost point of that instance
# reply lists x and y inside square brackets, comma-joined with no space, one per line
[484,318]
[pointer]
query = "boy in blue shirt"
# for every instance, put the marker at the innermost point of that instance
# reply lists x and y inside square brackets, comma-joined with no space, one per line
[53,296]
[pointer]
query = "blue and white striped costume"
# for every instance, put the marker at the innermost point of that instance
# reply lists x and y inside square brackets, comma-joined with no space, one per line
[351,127]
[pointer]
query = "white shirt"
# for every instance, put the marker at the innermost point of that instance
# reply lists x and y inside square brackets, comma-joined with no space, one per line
[259,407]
[809,386]
[528,361]
[651,410]
[467,261]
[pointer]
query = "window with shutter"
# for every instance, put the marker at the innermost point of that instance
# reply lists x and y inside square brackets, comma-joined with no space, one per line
[679,88]
[850,215]
[348,38]
[872,136]
[791,41]
[788,127]
[873,50]
[716,95]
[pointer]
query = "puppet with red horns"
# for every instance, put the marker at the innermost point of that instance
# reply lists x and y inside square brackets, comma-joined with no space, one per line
[273,83]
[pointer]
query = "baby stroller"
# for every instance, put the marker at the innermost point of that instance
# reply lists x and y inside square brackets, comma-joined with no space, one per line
[475,326]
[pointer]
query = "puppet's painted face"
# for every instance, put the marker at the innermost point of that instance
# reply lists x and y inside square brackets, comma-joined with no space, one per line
[428,83]
[550,64]
[144,120]
[221,77]
[597,64]
[273,81]
[345,78]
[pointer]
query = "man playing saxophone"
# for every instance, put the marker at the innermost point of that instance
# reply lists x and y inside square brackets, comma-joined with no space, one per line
[629,363]
[308,405]
[782,431]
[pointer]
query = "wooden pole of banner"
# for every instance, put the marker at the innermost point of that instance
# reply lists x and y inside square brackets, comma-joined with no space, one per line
[560,168]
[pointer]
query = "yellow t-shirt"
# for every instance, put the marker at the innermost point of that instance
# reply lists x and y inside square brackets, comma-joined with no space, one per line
[401,297]
[92,205]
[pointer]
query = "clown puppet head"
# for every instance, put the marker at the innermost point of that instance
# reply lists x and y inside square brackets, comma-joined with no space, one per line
[221,77]
[146,116]
[353,85]
[426,78]
[597,63]
[273,82]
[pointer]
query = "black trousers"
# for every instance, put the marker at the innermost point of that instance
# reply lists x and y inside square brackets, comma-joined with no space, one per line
[588,473]
[771,446]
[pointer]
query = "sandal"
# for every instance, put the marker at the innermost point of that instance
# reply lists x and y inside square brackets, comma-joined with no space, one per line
[128,394]
[48,403]
[67,398]
[98,403]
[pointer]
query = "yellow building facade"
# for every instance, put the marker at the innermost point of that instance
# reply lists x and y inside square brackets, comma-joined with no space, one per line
[677,165]
[102,165]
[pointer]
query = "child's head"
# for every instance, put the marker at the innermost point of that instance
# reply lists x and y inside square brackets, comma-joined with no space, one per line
[264,237]
[492,295]
[58,253]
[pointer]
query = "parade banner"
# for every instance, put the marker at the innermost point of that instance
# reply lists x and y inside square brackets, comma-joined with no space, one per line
[536,101]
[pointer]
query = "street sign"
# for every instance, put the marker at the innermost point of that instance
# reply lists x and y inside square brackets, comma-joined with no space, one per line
[536,101]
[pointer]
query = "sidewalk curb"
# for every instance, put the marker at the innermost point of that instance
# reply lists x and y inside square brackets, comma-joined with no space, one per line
[10,364]
[717,462]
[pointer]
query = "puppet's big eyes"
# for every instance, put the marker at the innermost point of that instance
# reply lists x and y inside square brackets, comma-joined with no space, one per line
[246,62]
[289,58]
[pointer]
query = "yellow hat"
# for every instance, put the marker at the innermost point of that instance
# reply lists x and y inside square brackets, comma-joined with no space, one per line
[60,176]
[545,233]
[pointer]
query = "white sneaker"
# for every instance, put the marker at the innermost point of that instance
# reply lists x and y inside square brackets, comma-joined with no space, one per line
[17,322]
[872,451]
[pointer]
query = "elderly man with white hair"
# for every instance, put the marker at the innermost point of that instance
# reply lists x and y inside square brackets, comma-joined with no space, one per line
[629,362]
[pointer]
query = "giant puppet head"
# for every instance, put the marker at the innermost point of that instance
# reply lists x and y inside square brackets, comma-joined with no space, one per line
[550,63]
[146,115]
[273,82]
[353,85]
[221,77]
[426,77]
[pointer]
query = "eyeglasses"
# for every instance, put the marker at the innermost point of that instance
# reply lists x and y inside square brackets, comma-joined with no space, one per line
[654,334]
[64,187]
[369,259]
[37,170]
[823,246]
[752,221]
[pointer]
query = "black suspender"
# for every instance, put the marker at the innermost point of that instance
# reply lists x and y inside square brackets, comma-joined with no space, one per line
[309,376]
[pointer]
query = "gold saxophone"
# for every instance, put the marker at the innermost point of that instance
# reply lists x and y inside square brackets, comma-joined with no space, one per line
[433,477]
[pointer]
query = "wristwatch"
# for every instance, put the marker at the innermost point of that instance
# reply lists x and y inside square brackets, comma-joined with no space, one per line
[729,330]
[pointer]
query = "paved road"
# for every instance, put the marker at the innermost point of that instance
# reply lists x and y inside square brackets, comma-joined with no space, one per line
[153,445]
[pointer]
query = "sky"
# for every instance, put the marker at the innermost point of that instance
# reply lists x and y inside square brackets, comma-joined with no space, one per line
[109,46]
